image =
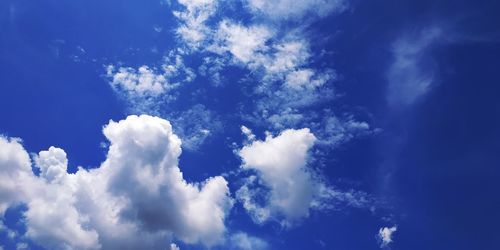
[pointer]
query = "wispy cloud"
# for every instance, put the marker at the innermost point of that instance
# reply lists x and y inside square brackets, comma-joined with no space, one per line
[412,73]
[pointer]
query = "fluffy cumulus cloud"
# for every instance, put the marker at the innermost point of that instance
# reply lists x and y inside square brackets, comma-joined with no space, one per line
[137,198]
[283,186]
[385,235]
[280,163]
[411,73]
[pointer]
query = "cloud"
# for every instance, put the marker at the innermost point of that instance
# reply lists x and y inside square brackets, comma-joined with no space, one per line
[145,88]
[141,81]
[193,29]
[289,9]
[243,241]
[411,74]
[137,198]
[284,187]
[281,166]
[244,43]
[385,235]
[195,125]
[248,133]
[174,247]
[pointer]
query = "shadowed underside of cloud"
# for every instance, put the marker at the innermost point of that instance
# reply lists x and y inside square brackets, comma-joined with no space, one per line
[136,199]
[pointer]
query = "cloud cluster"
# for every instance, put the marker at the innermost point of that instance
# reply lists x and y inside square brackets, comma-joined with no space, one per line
[144,87]
[137,198]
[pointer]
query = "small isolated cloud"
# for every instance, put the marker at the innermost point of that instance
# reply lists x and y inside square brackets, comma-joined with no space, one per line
[412,73]
[385,235]
[281,164]
[173,246]
[136,199]
[285,188]
[243,241]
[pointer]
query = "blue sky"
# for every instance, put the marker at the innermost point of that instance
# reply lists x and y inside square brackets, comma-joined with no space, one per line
[209,124]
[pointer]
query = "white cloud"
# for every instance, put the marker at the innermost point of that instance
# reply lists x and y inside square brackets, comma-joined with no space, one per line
[243,241]
[385,235]
[284,187]
[289,9]
[174,247]
[193,29]
[281,164]
[15,170]
[336,131]
[245,43]
[141,81]
[137,198]
[248,133]
[146,88]
[411,74]
[307,78]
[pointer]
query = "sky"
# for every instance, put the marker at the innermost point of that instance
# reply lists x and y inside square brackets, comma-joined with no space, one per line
[249,124]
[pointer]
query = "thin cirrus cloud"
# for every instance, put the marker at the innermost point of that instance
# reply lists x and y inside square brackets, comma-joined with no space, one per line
[411,73]
[137,198]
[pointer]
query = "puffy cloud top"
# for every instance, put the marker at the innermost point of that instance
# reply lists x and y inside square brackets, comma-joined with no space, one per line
[137,198]
[281,164]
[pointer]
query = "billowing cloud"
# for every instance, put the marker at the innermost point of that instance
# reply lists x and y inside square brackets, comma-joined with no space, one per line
[385,235]
[137,198]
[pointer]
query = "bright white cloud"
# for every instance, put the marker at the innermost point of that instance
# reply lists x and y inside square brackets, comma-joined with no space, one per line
[289,9]
[385,235]
[284,187]
[281,165]
[411,74]
[245,43]
[174,247]
[137,198]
